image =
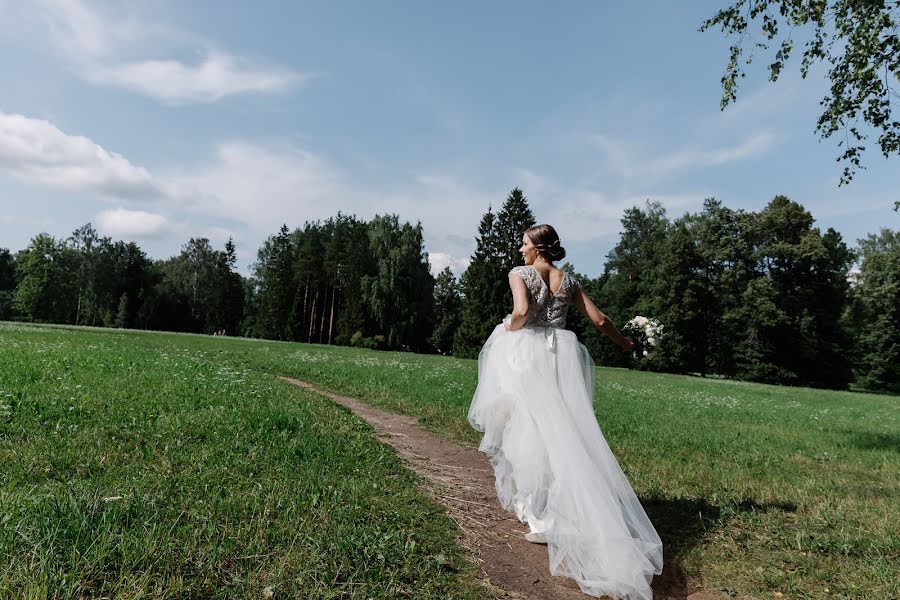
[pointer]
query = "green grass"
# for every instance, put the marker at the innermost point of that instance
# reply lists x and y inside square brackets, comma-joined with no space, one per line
[157,470]
[757,489]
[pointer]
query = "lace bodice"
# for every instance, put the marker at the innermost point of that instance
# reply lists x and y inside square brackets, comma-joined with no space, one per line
[546,309]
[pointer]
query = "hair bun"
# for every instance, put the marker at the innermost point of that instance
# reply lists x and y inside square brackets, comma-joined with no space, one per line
[546,241]
[557,253]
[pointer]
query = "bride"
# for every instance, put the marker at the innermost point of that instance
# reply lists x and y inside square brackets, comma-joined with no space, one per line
[553,467]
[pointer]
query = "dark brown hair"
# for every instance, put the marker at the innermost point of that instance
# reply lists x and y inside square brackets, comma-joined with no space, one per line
[546,242]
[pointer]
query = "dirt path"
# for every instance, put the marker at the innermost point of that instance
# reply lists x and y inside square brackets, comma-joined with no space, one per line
[461,479]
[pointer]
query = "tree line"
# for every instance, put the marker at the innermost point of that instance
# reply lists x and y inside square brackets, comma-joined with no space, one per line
[760,296]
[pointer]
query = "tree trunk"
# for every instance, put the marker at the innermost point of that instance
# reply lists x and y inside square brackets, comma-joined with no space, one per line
[94,312]
[305,299]
[331,317]
[312,317]
[78,310]
[322,319]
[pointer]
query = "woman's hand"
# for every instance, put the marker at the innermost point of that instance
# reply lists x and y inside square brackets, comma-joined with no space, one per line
[627,344]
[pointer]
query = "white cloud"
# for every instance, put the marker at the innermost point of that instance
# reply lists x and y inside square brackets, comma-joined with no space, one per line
[590,215]
[36,150]
[441,260]
[634,163]
[265,187]
[121,223]
[449,210]
[81,32]
[688,158]
[260,187]
[97,45]
[248,190]
[581,212]
[171,81]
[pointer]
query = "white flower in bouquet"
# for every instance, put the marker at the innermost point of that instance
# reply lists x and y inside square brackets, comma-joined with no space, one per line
[646,333]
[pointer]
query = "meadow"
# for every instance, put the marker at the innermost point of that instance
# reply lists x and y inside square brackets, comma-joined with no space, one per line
[155,465]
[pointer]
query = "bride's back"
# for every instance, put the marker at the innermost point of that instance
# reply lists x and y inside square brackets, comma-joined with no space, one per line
[547,303]
[552,276]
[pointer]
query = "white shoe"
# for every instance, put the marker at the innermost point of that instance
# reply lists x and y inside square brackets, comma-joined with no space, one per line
[536,537]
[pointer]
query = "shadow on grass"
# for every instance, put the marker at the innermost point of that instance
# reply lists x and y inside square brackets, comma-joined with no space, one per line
[682,524]
[867,440]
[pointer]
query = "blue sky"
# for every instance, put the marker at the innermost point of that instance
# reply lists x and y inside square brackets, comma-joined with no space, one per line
[160,120]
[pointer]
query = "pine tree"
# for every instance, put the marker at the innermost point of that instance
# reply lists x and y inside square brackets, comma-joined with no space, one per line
[233,291]
[310,287]
[513,219]
[225,297]
[275,280]
[479,284]
[447,306]
[485,284]
[351,263]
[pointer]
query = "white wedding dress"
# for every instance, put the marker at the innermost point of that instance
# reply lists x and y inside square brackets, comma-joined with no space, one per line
[553,467]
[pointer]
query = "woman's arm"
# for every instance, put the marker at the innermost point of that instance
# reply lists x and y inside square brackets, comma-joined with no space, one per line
[520,302]
[600,321]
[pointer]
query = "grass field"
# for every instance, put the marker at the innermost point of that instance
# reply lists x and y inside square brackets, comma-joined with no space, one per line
[151,465]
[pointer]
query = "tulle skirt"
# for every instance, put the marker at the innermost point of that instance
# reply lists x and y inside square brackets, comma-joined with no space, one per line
[553,467]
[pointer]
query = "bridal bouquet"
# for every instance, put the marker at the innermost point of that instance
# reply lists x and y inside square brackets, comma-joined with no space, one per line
[646,333]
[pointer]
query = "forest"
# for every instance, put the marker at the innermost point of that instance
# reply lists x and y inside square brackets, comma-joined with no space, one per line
[758,296]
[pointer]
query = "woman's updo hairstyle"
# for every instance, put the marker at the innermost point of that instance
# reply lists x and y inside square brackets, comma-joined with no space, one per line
[546,242]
